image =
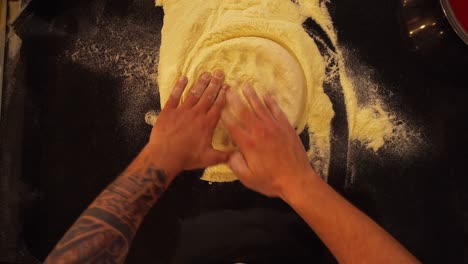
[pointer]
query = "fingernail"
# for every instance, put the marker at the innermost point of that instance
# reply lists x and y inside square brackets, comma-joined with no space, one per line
[183,79]
[206,76]
[225,88]
[219,74]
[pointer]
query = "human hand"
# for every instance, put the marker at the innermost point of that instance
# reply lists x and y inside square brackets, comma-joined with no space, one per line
[271,159]
[182,135]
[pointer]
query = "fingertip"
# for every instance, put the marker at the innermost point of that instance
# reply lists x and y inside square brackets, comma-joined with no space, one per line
[268,103]
[233,160]
[177,91]
[223,92]
[247,90]
[183,80]
[268,98]
[206,76]
[219,74]
[238,165]
[198,89]
[181,85]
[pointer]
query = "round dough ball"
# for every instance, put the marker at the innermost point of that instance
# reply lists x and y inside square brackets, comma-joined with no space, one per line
[268,66]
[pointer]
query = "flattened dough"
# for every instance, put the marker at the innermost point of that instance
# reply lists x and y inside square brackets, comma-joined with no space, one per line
[264,64]
[257,41]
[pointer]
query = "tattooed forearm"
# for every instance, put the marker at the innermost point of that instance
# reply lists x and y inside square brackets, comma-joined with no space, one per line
[105,230]
[132,196]
[90,240]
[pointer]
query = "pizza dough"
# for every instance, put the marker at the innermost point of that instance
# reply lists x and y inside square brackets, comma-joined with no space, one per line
[256,41]
[261,62]
[264,42]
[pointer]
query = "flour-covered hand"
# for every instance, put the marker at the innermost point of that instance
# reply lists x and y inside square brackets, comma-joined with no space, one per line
[183,132]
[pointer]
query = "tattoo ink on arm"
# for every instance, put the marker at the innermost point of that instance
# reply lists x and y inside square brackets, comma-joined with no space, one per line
[104,232]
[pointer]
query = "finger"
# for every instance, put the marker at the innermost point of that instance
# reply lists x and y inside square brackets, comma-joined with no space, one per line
[217,108]
[197,90]
[177,92]
[239,166]
[275,109]
[234,126]
[240,109]
[209,96]
[215,157]
[229,120]
[255,103]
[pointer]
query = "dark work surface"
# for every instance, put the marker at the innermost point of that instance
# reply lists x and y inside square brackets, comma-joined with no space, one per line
[72,122]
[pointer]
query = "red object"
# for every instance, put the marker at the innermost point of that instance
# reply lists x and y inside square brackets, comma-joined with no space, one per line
[460,10]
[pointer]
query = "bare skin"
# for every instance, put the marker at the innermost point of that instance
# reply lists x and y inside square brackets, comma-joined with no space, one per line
[271,160]
[104,232]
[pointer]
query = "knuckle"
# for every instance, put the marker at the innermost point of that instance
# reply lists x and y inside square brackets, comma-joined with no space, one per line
[177,89]
[195,93]
[173,97]
[210,97]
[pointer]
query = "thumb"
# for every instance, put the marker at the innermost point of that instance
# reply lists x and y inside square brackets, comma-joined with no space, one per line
[239,166]
[214,157]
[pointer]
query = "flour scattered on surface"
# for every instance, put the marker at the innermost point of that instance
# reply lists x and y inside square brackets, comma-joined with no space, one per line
[127,50]
[371,123]
[124,50]
[400,137]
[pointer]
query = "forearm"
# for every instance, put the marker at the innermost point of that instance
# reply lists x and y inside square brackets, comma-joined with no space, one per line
[104,232]
[350,235]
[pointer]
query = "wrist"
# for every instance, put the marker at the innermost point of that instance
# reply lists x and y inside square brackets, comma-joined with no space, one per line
[306,182]
[161,160]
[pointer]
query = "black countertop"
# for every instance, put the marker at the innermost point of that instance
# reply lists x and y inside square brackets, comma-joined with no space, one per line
[72,122]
